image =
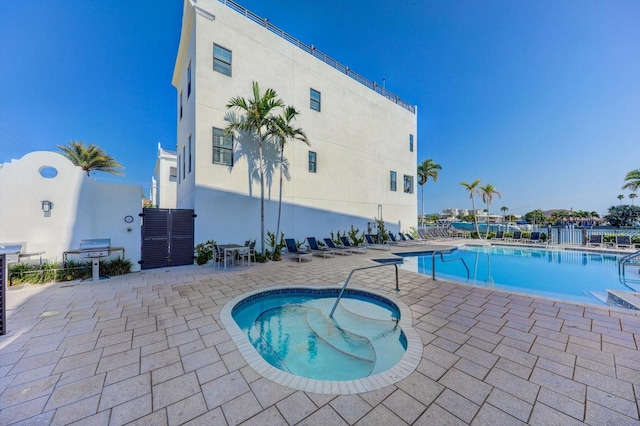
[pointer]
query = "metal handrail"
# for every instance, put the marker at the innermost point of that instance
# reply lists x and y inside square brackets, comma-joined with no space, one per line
[441,252]
[621,263]
[311,49]
[335,305]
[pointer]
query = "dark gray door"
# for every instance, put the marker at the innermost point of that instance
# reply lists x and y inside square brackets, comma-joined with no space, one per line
[167,238]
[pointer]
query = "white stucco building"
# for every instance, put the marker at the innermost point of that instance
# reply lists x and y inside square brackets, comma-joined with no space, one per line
[165,179]
[362,157]
[50,205]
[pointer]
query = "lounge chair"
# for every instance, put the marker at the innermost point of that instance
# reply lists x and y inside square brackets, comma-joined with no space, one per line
[499,236]
[406,239]
[294,253]
[623,241]
[595,240]
[534,238]
[415,240]
[355,249]
[317,250]
[395,241]
[516,237]
[338,250]
[373,245]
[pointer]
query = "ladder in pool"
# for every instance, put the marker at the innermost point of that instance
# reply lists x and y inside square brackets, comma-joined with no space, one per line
[629,259]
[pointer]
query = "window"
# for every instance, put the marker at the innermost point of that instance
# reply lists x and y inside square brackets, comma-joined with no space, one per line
[183,160]
[173,174]
[392,180]
[410,143]
[222,60]
[408,184]
[189,80]
[315,100]
[189,153]
[181,104]
[222,148]
[312,161]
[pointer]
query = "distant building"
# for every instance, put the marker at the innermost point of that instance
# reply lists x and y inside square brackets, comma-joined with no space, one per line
[165,179]
[362,159]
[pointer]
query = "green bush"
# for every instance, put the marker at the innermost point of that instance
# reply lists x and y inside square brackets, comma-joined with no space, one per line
[31,273]
[204,252]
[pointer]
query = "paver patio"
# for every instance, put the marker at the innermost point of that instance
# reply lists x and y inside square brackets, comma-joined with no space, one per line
[149,348]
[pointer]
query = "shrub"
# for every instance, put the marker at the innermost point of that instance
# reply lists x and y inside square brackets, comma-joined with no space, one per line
[204,252]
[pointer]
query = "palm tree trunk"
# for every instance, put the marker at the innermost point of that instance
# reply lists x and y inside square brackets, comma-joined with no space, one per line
[487,231]
[261,195]
[422,217]
[280,195]
[475,216]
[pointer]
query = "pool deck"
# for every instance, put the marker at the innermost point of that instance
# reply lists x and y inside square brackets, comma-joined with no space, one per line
[149,348]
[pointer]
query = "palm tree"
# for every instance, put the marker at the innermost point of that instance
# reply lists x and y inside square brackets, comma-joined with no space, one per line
[282,129]
[633,180]
[256,120]
[620,197]
[472,188]
[91,158]
[427,169]
[488,191]
[632,196]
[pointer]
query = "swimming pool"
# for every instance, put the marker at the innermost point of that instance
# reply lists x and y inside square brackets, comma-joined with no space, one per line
[570,275]
[286,335]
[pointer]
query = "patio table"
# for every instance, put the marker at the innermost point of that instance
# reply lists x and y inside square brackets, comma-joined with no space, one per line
[233,248]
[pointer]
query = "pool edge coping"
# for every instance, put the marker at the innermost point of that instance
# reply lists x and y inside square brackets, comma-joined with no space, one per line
[407,364]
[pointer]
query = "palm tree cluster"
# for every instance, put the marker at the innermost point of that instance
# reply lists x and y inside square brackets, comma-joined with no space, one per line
[632,180]
[487,192]
[260,120]
[91,158]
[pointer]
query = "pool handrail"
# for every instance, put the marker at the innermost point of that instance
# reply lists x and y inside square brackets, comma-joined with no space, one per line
[622,262]
[441,252]
[335,305]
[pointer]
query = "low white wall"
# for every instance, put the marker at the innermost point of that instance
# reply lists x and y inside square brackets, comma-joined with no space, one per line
[82,208]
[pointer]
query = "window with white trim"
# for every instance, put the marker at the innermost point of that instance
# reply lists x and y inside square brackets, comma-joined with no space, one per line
[393,177]
[312,162]
[314,99]
[410,143]
[222,148]
[408,184]
[222,60]
[190,159]
[189,80]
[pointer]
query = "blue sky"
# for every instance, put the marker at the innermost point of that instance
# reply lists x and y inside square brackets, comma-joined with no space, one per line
[539,98]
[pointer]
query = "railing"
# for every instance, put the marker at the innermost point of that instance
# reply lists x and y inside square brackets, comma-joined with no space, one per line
[441,252]
[335,305]
[319,55]
[624,260]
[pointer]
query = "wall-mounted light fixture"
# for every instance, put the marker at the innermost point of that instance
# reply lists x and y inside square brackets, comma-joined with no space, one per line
[46,206]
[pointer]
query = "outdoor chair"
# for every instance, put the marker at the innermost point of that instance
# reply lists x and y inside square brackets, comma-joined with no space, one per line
[317,250]
[595,240]
[251,252]
[373,245]
[534,238]
[355,249]
[338,250]
[623,241]
[517,237]
[293,251]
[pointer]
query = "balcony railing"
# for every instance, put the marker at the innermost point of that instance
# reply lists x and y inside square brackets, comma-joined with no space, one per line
[319,55]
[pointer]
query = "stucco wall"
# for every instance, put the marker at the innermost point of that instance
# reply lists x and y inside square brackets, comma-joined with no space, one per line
[358,136]
[82,208]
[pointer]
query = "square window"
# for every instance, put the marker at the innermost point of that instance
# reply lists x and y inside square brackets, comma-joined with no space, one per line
[393,181]
[222,60]
[410,143]
[315,100]
[222,148]
[408,184]
[312,161]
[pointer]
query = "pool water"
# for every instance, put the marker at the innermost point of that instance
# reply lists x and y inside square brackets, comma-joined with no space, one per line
[292,331]
[562,274]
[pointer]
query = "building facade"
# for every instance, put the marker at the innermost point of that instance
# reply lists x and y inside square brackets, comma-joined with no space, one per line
[361,162]
[165,179]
